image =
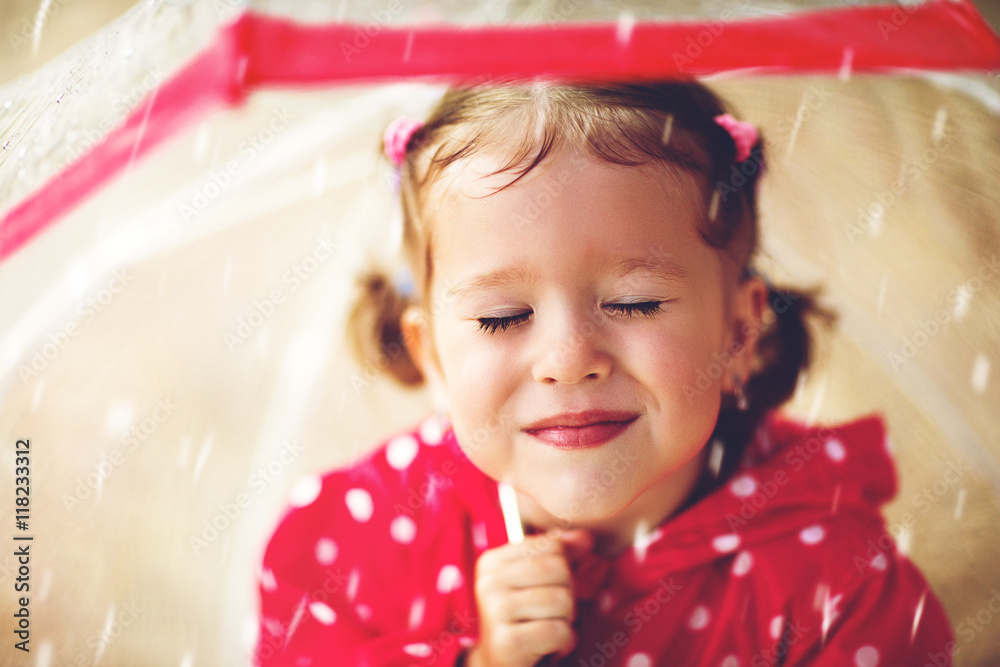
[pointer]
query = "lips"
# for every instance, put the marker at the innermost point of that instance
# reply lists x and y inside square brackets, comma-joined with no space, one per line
[574,430]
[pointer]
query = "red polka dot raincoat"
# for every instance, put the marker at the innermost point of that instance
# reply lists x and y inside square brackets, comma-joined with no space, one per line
[787,563]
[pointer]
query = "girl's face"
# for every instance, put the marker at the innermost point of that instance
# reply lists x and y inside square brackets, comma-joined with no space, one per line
[579,332]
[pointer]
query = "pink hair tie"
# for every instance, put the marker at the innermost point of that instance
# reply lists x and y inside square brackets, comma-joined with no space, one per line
[744,135]
[397,137]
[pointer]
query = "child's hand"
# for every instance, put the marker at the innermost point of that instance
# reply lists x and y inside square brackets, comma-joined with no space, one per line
[525,597]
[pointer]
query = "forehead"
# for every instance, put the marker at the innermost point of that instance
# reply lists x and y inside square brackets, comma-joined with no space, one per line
[571,203]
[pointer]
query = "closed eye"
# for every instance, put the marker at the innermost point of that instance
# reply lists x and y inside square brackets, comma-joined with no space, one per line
[644,308]
[493,324]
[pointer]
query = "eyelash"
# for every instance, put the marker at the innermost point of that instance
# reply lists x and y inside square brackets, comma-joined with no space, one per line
[645,308]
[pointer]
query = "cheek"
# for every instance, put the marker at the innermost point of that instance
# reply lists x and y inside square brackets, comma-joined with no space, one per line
[476,374]
[681,360]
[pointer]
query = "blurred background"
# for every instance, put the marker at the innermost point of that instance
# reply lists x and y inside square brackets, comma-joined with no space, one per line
[174,346]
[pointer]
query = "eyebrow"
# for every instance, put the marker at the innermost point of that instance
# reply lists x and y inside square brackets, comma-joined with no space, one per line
[622,267]
[659,266]
[493,279]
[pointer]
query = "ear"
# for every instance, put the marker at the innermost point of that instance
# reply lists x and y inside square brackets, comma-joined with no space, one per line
[748,309]
[418,337]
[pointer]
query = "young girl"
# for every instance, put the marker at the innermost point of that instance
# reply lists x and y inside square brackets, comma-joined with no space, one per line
[606,361]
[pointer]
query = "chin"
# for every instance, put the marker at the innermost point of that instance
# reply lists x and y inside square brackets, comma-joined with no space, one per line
[581,511]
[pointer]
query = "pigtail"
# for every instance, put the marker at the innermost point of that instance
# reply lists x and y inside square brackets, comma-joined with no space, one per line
[784,350]
[375,329]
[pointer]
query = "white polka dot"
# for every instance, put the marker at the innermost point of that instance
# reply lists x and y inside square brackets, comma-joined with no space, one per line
[305,491]
[640,660]
[866,656]
[267,580]
[432,430]
[326,551]
[730,661]
[835,450]
[888,445]
[303,661]
[359,504]
[322,613]
[880,562]
[449,579]
[742,563]
[364,612]
[699,618]
[743,486]
[726,543]
[401,451]
[466,641]
[777,626]
[420,650]
[812,535]
[605,602]
[403,529]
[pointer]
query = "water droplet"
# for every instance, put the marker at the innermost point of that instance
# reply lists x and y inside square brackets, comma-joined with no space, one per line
[715,457]
[903,540]
[409,47]
[713,206]
[668,128]
[963,295]
[206,448]
[800,114]
[960,503]
[846,62]
[940,118]
[980,373]
[623,31]
[44,657]
[119,418]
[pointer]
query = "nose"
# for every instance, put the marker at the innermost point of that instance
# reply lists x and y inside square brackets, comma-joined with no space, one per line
[570,352]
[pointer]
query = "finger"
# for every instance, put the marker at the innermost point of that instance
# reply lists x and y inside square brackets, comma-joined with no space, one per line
[576,542]
[539,603]
[539,570]
[533,640]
